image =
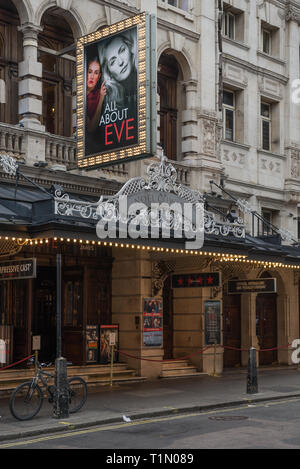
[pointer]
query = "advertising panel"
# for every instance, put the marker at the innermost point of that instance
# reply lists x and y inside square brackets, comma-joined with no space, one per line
[115,108]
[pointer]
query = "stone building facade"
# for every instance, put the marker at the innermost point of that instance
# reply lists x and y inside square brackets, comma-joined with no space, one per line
[228,112]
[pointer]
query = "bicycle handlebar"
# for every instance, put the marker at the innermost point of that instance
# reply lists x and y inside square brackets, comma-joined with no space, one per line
[44,365]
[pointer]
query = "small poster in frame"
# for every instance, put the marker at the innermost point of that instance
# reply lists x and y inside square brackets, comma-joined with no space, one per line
[109,336]
[212,318]
[92,344]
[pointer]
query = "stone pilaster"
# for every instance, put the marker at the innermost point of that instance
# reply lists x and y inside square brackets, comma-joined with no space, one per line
[190,145]
[30,95]
[30,73]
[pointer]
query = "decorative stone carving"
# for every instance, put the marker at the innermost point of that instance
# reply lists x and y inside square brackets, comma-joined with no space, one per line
[209,137]
[234,157]
[295,164]
[160,272]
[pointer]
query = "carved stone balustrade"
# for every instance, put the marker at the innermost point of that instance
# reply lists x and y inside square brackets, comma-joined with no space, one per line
[12,140]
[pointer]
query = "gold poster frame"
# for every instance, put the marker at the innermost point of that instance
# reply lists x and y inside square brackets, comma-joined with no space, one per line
[127,153]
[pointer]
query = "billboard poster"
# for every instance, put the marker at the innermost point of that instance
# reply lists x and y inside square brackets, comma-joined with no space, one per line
[109,334]
[153,322]
[212,319]
[115,109]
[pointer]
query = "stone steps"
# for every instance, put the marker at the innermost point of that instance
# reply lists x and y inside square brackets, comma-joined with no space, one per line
[94,375]
[178,369]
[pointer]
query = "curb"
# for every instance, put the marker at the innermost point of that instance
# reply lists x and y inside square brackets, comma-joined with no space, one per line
[144,415]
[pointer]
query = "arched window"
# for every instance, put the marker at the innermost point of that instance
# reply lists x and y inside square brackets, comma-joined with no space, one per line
[58,73]
[11,51]
[167,88]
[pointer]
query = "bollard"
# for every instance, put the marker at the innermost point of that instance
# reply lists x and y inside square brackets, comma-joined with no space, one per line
[61,394]
[215,358]
[252,386]
[111,365]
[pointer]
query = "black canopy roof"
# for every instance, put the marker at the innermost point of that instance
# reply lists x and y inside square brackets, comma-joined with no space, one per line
[29,212]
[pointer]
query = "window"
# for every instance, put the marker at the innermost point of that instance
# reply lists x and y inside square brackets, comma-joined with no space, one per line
[266,126]
[228,115]
[233,23]
[168,91]
[267,216]
[58,73]
[229,25]
[271,41]
[182,4]
[266,39]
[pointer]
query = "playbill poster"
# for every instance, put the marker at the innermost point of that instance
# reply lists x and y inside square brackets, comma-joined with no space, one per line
[212,318]
[153,322]
[116,93]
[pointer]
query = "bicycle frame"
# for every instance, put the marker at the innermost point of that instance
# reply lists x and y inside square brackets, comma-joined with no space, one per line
[39,377]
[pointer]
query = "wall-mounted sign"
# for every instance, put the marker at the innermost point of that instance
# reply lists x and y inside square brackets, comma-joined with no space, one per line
[196,280]
[15,270]
[260,285]
[153,322]
[212,320]
[116,93]
[36,342]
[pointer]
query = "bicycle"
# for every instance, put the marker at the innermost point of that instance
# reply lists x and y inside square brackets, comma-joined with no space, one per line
[27,399]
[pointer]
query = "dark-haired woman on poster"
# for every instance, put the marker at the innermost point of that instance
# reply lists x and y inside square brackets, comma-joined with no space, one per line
[95,93]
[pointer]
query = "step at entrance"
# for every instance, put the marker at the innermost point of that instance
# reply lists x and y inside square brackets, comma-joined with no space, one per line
[94,375]
[178,369]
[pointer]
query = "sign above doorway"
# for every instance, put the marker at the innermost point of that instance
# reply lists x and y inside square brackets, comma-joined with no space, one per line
[206,279]
[260,285]
[16,270]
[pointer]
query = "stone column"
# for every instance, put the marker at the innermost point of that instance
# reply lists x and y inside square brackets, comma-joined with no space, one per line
[131,283]
[190,145]
[30,94]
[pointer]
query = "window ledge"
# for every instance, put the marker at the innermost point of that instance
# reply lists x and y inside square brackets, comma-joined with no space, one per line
[271,58]
[235,42]
[270,153]
[165,6]
[235,144]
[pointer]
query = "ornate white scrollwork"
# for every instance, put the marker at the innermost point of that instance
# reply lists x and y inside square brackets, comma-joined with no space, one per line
[161,177]
[9,164]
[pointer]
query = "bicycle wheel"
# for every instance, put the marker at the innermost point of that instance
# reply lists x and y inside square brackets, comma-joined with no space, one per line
[77,393]
[26,401]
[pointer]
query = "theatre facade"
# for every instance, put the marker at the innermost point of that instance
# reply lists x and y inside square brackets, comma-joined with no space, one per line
[224,133]
[164,302]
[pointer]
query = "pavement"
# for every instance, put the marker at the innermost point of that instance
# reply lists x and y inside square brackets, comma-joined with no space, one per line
[161,397]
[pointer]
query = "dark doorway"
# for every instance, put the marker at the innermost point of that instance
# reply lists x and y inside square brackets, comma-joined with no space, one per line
[168,319]
[232,329]
[44,312]
[266,327]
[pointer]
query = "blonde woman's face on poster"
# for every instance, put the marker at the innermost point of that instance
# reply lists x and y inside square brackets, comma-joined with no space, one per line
[119,59]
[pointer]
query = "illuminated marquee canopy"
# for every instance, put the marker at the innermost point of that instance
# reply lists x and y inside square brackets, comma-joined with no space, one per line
[116,93]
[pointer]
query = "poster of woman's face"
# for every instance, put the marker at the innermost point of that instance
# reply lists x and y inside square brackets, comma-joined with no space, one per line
[111,93]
